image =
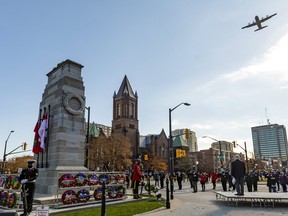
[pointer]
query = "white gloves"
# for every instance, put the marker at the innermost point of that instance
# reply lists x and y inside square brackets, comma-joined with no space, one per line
[23,181]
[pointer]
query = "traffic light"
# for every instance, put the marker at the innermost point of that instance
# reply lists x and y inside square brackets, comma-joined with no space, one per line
[178,153]
[187,133]
[25,146]
[145,157]
[234,144]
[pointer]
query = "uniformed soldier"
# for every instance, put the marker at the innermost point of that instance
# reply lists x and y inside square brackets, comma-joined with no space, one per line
[27,178]
[224,179]
[249,181]
[255,180]
[271,181]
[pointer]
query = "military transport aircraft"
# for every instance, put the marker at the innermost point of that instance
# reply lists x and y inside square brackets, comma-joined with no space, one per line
[258,22]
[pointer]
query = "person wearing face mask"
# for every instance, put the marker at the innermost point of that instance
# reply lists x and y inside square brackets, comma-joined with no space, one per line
[28,178]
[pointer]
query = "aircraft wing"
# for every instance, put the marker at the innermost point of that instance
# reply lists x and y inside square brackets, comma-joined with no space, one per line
[267,17]
[249,25]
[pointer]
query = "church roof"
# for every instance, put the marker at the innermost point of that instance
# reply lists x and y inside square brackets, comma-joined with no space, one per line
[125,89]
[178,141]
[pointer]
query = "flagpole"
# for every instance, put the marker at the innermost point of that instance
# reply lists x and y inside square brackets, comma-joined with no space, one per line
[47,136]
[42,155]
[39,123]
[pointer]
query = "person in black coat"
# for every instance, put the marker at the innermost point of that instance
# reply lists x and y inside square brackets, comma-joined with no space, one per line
[255,180]
[238,171]
[27,178]
[249,181]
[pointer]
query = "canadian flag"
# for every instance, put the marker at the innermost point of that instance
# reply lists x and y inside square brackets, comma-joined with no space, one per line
[43,130]
[36,145]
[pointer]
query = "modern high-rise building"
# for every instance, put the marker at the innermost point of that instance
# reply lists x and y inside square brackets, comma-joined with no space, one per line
[270,142]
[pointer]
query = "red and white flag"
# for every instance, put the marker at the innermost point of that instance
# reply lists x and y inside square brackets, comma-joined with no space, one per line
[43,130]
[36,145]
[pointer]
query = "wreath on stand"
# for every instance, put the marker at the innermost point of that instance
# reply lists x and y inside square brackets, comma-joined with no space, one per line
[69,197]
[104,178]
[98,193]
[121,179]
[112,192]
[112,179]
[152,188]
[16,184]
[83,196]
[121,191]
[13,198]
[93,179]
[4,198]
[80,179]
[66,180]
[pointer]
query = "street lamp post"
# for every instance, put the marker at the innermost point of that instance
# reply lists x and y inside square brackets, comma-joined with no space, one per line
[246,156]
[4,156]
[170,153]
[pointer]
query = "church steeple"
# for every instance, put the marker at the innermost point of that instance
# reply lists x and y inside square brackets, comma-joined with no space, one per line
[125,89]
[125,114]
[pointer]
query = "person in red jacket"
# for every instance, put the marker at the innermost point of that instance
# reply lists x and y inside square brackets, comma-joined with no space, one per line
[214,178]
[136,178]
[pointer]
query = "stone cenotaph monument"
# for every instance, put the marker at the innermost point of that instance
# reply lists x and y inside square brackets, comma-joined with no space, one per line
[64,102]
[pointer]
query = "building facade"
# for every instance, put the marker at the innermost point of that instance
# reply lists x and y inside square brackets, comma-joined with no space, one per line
[125,115]
[270,142]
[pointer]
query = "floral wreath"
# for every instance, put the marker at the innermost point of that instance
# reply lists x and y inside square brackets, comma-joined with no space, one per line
[69,197]
[121,191]
[112,192]
[121,179]
[4,198]
[83,196]
[12,201]
[93,179]
[80,179]
[66,180]
[98,193]
[152,188]
[104,177]
[16,184]
[8,182]
[112,179]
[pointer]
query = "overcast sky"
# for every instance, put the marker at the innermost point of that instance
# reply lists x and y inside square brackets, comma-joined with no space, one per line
[171,51]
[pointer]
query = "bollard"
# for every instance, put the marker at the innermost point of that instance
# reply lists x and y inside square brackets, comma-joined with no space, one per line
[167,194]
[103,203]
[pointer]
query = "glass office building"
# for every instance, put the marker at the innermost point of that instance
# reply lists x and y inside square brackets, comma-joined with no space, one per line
[270,142]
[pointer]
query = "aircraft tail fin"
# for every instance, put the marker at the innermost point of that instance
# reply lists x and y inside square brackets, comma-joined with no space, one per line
[261,28]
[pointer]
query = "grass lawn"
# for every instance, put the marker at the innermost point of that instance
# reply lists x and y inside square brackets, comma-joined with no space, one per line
[126,209]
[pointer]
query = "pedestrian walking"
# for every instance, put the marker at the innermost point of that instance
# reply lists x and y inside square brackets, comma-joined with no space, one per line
[203,180]
[194,180]
[214,178]
[179,177]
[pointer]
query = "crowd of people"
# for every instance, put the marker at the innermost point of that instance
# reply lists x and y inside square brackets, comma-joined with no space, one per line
[230,180]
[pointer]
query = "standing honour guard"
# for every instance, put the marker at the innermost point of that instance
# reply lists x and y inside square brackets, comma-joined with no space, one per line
[28,178]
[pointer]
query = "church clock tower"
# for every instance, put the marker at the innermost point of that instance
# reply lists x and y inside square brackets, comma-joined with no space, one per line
[125,115]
